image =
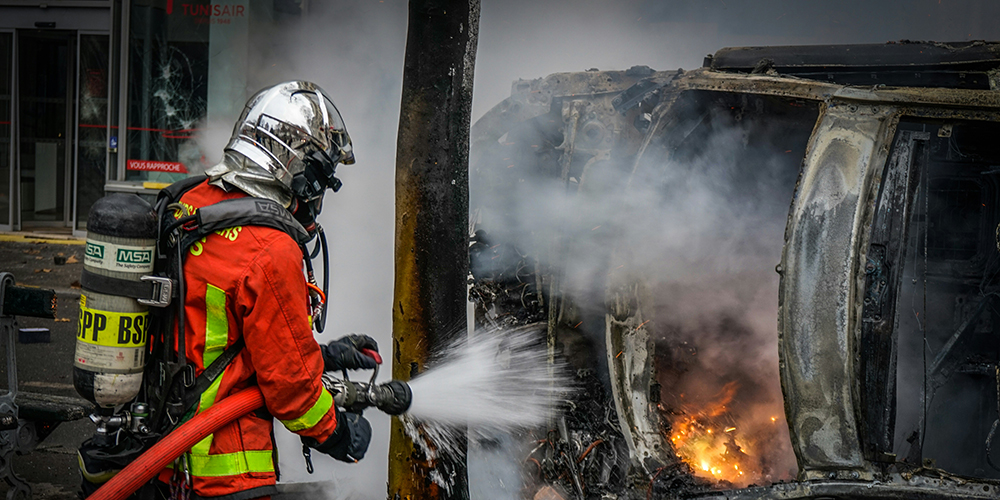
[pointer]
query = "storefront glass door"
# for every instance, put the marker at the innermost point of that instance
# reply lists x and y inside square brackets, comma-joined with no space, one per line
[44,112]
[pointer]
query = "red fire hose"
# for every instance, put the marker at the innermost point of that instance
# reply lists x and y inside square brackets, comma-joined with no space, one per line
[180,440]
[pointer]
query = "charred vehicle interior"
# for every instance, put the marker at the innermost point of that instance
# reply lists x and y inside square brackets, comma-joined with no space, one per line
[775,276]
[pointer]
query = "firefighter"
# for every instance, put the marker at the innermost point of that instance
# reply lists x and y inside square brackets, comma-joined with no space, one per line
[248,282]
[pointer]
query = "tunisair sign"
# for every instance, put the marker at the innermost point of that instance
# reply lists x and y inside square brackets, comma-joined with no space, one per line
[215,13]
[214,10]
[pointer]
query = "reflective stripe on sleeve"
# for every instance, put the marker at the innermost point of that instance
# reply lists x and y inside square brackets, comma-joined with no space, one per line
[313,416]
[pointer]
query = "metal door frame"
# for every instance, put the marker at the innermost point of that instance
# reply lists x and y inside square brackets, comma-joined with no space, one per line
[71,105]
[9,226]
[124,57]
[76,128]
[15,136]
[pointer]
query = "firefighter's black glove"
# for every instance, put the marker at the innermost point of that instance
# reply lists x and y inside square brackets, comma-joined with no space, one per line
[345,353]
[349,440]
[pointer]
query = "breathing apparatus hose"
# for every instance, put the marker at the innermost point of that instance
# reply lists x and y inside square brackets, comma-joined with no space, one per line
[150,463]
[319,321]
[326,275]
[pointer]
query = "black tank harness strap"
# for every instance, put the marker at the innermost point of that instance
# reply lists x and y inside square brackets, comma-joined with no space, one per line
[166,197]
[145,290]
[242,212]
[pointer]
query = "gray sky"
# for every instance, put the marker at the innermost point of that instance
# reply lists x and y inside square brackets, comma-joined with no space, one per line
[533,38]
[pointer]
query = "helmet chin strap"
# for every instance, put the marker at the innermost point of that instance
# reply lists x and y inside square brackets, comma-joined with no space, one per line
[321,321]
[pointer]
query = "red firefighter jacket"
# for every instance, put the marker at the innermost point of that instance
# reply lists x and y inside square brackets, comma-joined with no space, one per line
[248,281]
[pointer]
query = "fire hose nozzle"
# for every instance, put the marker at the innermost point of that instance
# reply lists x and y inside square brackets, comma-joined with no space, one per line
[392,397]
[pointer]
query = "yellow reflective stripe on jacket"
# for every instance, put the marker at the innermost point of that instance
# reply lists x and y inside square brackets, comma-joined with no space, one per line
[313,416]
[201,462]
[216,336]
[231,464]
[216,324]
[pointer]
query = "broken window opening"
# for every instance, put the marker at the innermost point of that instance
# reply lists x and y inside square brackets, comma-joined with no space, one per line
[942,398]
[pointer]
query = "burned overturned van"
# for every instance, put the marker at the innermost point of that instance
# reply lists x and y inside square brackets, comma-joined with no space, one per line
[775,276]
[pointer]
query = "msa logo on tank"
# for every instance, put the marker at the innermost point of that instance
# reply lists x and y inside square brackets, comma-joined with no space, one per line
[114,257]
[134,256]
[95,251]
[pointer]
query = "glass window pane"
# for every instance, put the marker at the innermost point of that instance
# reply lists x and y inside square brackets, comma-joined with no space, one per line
[93,124]
[168,89]
[44,89]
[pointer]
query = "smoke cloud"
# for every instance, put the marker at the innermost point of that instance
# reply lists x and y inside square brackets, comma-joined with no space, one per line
[701,229]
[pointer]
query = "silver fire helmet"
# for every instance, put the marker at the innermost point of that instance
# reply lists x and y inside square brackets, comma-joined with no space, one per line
[283,130]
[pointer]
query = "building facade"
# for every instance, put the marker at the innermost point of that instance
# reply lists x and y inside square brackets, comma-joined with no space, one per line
[102,96]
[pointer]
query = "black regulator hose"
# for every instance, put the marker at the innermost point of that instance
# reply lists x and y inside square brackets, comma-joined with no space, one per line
[326,275]
[315,250]
[319,323]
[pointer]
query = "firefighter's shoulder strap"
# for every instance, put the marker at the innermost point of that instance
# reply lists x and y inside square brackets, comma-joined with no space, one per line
[174,191]
[247,211]
[244,212]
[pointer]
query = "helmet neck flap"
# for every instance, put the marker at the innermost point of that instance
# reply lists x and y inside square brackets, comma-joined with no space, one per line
[245,174]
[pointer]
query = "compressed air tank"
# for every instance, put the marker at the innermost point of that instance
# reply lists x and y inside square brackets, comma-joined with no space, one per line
[112,336]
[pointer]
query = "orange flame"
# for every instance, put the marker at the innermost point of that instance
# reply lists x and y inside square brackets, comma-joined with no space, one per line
[708,439]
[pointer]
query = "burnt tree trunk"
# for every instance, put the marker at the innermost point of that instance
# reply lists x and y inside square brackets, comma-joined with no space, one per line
[432,219]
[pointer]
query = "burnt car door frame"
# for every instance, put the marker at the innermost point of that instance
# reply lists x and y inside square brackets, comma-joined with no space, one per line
[883,271]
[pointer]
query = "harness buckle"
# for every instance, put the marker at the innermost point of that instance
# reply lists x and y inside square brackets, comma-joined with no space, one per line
[189,378]
[163,289]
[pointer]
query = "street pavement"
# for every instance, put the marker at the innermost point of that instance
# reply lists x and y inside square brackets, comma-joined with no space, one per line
[47,368]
